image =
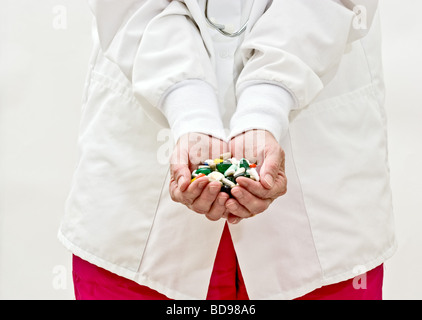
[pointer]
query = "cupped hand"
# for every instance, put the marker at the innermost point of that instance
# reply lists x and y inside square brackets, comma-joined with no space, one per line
[254,197]
[201,196]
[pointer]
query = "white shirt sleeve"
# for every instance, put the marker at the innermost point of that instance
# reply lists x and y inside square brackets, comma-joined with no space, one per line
[294,48]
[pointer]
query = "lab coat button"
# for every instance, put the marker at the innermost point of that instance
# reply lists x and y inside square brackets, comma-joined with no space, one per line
[224,54]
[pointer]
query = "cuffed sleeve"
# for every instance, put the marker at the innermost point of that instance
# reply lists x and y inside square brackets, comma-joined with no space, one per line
[262,106]
[192,106]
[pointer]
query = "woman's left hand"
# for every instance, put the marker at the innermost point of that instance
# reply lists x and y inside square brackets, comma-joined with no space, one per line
[253,197]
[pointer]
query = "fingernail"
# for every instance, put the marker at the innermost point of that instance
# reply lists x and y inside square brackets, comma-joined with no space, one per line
[234,220]
[222,201]
[215,189]
[237,193]
[269,179]
[203,183]
[232,206]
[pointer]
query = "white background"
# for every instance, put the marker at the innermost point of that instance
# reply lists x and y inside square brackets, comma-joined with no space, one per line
[42,74]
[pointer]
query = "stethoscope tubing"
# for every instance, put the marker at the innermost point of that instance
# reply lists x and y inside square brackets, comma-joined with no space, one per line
[220,28]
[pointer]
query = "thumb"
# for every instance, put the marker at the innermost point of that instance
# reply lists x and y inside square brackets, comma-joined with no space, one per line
[181,174]
[179,167]
[270,167]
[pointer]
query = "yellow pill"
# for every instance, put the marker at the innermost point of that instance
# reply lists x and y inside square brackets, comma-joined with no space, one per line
[197,177]
[217,161]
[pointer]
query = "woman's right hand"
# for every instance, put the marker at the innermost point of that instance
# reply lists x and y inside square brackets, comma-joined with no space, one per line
[201,196]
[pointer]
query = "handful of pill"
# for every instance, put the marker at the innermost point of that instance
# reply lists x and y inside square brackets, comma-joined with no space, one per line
[226,170]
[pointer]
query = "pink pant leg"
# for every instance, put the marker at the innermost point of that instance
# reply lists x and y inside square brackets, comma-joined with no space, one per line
[226,280]
[348,290]
[95,283]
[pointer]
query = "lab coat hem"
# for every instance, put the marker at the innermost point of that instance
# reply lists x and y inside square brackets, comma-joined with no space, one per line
[350,274]
[120,271]
[172,294]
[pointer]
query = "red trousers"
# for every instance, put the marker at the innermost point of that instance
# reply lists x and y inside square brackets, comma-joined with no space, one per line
[94,283]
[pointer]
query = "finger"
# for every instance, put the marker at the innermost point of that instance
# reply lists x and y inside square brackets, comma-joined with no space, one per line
[283,181]
[237,209]
[226,213]
[232,219]
[181,175]
[179,164]
[270,168]
[218,208]
[255,188]
[188,196]
[253,204]
[203,203]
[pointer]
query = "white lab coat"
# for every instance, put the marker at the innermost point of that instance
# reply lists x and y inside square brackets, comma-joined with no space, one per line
[307,71]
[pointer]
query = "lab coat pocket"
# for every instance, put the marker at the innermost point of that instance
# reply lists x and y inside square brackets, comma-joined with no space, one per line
[339,147]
